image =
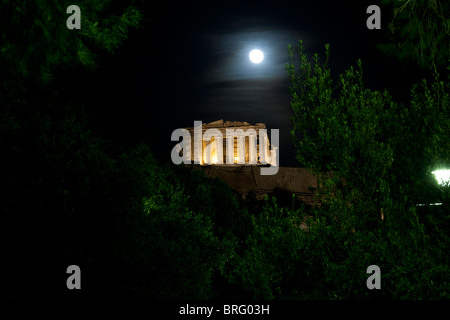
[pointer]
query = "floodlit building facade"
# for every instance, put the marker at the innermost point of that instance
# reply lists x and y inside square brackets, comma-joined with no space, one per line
[231,143]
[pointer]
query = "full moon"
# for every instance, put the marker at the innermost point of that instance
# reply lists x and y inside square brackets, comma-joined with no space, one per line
[256,56]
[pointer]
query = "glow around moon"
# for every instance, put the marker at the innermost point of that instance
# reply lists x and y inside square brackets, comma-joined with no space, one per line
[256,56]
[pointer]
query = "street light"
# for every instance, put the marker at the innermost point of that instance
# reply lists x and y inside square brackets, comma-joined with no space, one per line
[442,176]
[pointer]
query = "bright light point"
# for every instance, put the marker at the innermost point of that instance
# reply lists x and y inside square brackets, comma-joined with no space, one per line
[256,56]
[442,177]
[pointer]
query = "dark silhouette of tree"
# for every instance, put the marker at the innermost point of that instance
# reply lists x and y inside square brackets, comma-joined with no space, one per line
[419,31]
[35,39]
[136,228]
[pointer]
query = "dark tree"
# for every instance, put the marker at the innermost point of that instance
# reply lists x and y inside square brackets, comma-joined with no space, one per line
[419,32]
[35,40]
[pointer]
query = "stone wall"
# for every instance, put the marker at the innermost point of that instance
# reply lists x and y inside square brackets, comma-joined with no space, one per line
[298,181]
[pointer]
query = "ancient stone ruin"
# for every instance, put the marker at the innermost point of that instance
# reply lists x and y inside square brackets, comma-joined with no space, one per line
[250,145]
[247,153]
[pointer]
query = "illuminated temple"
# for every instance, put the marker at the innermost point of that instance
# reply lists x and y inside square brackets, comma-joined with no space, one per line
[250,145]
[241,159]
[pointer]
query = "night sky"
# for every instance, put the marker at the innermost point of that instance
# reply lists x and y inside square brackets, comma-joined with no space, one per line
[189,61]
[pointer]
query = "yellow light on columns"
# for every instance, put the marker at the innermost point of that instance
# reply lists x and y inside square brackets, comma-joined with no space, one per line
[214,153]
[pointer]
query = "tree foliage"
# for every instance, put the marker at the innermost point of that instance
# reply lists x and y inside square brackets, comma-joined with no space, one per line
[136,228]
[420,32]
[374,159]
[35,40]
[362,137]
